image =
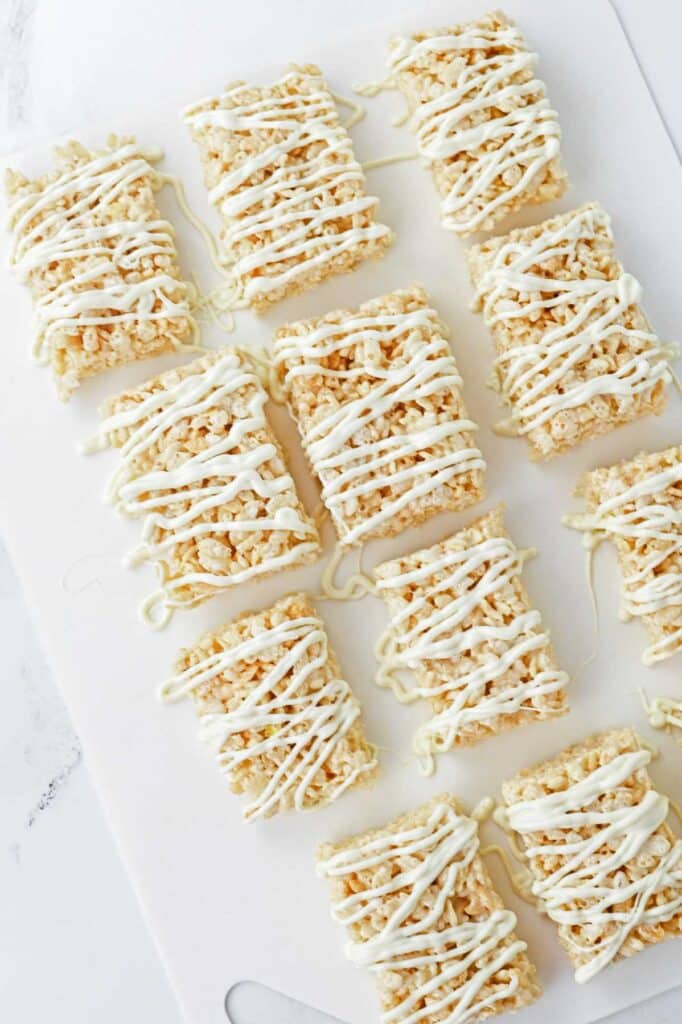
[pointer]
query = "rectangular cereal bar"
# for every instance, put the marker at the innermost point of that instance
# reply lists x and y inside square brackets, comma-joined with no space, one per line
[201,465]
[284,724]
[423,915]
[482,119]
[280,170]
[90,243]
[576,356]
[637,504]
[607,867]
[463,624]
[378,401]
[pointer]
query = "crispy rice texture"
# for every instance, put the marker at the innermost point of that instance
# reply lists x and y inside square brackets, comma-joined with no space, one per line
[78,352]
[500,608]
[556,775]
[429,78]
[473,899]
[603,483]
[226,553]
[312,398]
[223,150]
[228,691]
[602,413]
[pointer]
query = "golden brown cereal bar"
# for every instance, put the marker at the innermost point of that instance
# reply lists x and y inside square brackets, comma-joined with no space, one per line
[202,466]
[463,624]
[378,401]
[482,119]
[285,726]
[607,867]
[90,242]
[637,504]
[280,170]
[423,915]
[576,356]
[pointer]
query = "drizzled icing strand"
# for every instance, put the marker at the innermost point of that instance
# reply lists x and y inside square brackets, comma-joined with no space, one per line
[650,521]
[663,712]
[296,723]
[174,501]
[506,153]
[48,232]
[272,194]
[537,379]
[441,634]
[350,467]
[438,854]
[586,887]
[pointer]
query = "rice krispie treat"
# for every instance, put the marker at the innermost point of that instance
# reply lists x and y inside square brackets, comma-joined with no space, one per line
[202,466]
[482,119]
[90,243]
[378,401]
[280,170]
[423,915]
[638,505]
[285,726]
[576,356]
[463,624]
[607,867]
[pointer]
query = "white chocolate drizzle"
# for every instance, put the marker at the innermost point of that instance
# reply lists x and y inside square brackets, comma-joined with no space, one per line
[296,723]
[46,232]
[350,467]
[663,712]
[213,477]
[441,634]
[436,854]
[588,888]
[510,150]
[270,193]
[649,520]
[538,379]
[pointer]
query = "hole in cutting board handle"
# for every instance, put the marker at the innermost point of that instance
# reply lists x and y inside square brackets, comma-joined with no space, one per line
[249,1002]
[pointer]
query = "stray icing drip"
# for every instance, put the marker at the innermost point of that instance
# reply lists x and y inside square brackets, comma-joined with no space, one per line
[437,854]
[439,635]
[388,161]
[350,467]
[646,591]
[537,379]
[356,587]
[300,729]
[98,294]
[663,712]
[515,147]
[268,194]
[357,110]
[208,480]
[594,887]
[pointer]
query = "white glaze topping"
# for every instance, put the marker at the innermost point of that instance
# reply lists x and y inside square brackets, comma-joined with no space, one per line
[508,151]
[212,478]
[298,724]
[272,193]
[650,519]
[99,294]
[589,888]
[438,854]
[349,466]
[538,379]
[663,712]
[441,634]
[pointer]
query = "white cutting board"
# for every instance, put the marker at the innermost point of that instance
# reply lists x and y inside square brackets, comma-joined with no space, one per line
[227,901]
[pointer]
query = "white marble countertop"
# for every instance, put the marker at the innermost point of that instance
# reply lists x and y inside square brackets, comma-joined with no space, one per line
[74,945]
